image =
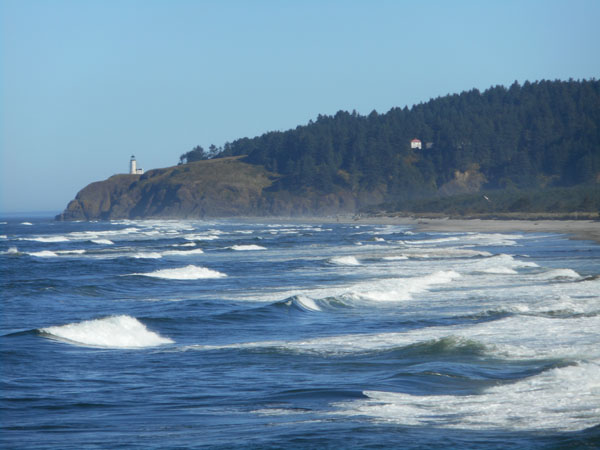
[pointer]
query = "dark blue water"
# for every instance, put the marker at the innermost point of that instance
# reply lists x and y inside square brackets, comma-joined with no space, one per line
[191,334]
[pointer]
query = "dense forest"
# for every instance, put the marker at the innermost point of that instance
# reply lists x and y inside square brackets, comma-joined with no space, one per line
[540,135]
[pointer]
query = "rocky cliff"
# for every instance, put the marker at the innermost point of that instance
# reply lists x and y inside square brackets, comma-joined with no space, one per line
[223,187]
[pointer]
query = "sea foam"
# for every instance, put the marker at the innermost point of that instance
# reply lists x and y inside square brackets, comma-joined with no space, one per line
[247,247]
[108,332]
[43,254]
[102,241]
[190,272]
[561,399]
[396,289]
[47,239]
[345,261]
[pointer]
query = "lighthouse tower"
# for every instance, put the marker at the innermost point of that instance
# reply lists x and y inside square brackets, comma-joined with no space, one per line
[133,169]
[133,166]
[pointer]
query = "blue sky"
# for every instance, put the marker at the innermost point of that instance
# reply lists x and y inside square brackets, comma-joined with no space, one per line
[85,84]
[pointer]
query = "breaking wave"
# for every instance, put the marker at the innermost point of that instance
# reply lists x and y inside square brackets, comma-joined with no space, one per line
[345,261]
[102,241]
[190,272]
[559,399]
[50,239]
[247,247]
[108,332]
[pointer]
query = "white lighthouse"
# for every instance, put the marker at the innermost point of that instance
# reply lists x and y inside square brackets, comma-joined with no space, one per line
[133,170]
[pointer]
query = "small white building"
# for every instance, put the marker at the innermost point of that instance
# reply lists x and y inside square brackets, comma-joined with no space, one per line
[416,143]
[133,169]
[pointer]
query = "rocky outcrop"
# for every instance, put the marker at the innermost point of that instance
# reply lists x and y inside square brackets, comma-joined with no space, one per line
[223,187]
[467,182]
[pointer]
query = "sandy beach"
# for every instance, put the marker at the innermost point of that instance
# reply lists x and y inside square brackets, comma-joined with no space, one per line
[576,229]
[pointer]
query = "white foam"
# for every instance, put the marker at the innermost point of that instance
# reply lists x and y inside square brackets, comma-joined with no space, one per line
[247,247]
[563,399]
[500,270]
[443,252]
[395,258]
[345,261]
[558,274]
[195,251]
[147,255]
[3,236]
[43,254]
[397,289]
[103,241]
[70,252]
[201,237]
[190,272]
[46,239]
[11,251]
[26,223]
[109,332]
[516,337]
[500,264]
[432,241]
[187,244]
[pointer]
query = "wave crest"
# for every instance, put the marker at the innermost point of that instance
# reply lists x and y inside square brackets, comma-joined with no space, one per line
[189,272]
[109,332]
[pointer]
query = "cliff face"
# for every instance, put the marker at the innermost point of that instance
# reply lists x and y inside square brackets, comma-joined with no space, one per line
[223,187]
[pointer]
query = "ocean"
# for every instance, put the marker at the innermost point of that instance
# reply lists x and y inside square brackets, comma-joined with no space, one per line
[240,334]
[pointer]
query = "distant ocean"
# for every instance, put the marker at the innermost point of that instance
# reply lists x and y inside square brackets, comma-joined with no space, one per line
[225,334]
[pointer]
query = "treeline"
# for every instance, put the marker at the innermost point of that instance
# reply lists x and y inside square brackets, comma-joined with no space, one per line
[531,136]
[556,201]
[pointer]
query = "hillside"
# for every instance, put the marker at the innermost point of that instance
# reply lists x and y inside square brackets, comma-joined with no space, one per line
[531,147]
[223,187]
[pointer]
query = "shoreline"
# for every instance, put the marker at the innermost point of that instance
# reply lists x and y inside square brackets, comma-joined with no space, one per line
[586,230]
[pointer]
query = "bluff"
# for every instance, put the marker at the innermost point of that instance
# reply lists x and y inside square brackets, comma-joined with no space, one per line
[223,187]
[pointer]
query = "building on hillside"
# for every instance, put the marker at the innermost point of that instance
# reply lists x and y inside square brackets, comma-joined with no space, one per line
[416,143]
[133,169]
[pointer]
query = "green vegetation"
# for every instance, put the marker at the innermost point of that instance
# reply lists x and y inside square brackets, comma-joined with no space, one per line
[523,139]
[549,203]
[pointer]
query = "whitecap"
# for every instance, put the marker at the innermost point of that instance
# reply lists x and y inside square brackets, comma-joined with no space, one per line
[102,241]
[195,251]
[187,244]
[43,254]
[71,252]
[432,241]
[26,223]
[109,332]
[190,272]
[397,289]
[500,270]
[558,400]
[11,251]
[557,274]
[46,239]
[147,255]
[247,247]
[345,261]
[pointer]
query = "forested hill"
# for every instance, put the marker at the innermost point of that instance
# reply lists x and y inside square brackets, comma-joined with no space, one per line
[533,148]
[530,136]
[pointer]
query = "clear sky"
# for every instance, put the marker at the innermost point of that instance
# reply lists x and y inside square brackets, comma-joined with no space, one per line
[84,84]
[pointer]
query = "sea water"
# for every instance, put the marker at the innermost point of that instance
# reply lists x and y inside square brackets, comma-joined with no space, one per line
[220,334]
